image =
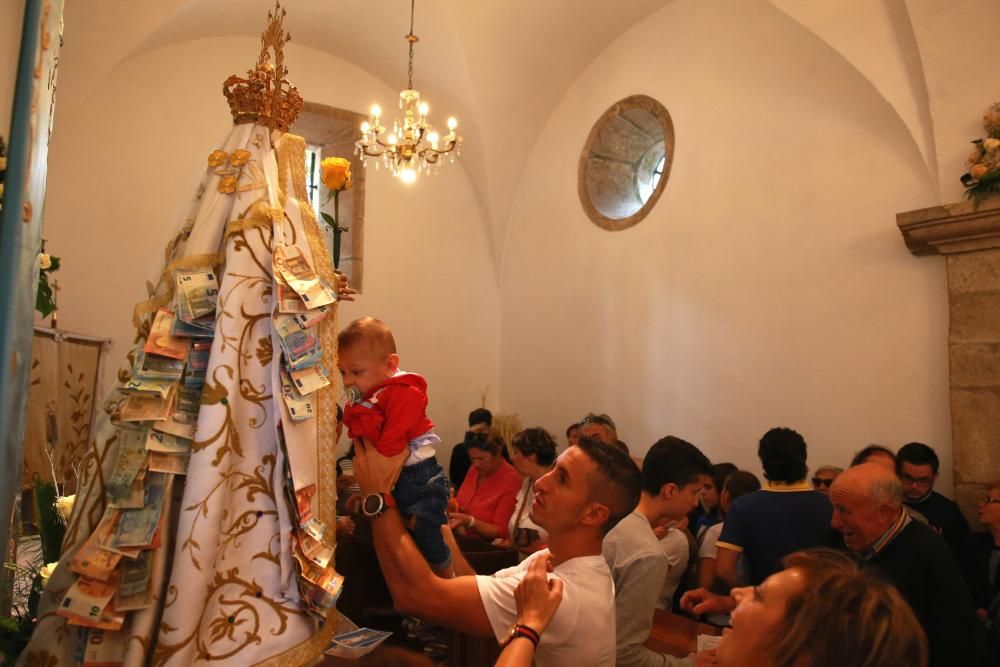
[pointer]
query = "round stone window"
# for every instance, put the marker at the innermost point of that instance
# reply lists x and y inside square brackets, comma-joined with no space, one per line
[626,161]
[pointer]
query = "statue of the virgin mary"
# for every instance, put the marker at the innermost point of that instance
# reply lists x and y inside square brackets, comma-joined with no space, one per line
[203,527]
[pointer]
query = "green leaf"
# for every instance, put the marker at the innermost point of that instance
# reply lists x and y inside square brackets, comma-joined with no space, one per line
[329,219]
[43,300]
[55,264]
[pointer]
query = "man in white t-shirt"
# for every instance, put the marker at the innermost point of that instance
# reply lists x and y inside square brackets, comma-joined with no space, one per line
[590,489]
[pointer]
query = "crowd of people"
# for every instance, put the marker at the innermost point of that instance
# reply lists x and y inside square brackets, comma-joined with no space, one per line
[864,566]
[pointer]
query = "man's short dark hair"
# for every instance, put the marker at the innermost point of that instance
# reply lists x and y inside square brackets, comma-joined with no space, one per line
[619,482]
[740,482]
[782,452]
[480,416]
[918,454]
[673,461]
[863,455]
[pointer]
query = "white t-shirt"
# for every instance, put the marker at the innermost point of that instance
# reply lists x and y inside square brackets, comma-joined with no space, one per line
[708,540]
[582,632]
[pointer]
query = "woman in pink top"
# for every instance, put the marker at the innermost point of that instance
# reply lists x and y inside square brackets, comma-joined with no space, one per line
[487,497]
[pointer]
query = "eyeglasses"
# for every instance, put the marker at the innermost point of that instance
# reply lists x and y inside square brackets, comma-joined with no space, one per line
[822,481]
[916,481]
[603,420]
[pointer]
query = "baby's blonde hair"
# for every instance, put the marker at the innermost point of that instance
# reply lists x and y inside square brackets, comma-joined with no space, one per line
[368,331]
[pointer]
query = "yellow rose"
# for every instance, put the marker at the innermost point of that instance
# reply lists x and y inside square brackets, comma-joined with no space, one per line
[217,158]
[336,173]
[978,170]
[227,185]
[991,144]
[65,505]
[46,572]
[239,158]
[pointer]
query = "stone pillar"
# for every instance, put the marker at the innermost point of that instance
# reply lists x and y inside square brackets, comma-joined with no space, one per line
[969,238]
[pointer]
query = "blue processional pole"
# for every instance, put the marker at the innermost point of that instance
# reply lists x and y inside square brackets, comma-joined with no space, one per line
[20,234]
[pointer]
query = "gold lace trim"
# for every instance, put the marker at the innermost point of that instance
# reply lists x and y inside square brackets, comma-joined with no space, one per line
[259,215]
[154,303]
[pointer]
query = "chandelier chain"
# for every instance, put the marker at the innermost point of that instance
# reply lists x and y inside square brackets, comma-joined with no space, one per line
[411,38]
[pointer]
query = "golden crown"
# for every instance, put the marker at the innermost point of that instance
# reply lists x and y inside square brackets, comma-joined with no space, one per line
[266,96]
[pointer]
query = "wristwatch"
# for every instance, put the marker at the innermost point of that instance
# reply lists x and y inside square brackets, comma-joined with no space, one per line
[374,505]
[521,630]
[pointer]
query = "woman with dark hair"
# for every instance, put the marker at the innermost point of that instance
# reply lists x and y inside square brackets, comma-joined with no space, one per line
[487,497]
[820,611]
[533,453]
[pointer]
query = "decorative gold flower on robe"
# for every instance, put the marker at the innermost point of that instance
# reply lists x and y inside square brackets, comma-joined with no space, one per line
[217,158]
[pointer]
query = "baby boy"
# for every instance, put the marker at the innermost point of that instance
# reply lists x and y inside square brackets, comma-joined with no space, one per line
[388,407]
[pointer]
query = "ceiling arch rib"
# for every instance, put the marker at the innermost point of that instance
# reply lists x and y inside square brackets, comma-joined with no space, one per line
[877,39]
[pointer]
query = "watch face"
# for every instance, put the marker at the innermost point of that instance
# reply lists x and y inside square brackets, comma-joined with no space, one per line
[372,504]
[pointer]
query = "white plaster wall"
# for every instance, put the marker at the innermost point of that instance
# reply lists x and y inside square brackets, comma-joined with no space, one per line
[770,286]
[124,164]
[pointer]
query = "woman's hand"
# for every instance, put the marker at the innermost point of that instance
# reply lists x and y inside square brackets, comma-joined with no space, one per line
[537,596]
[460,520]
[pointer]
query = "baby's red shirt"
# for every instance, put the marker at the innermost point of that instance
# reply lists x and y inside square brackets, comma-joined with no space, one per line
[390,415]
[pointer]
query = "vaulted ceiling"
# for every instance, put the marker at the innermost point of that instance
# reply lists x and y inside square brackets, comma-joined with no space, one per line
[502,67]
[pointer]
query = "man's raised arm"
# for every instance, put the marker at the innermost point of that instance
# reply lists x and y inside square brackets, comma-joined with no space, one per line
[416,590]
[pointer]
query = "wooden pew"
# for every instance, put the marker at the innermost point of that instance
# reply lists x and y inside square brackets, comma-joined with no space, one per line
[677,635]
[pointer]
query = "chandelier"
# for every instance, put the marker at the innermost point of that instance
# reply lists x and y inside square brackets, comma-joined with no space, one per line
[412,146]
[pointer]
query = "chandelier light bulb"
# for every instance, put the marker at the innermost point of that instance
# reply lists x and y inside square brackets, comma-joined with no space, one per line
[365,127]
[452,123]
[408,174]
[392,139]
[423,108]
[376,111]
